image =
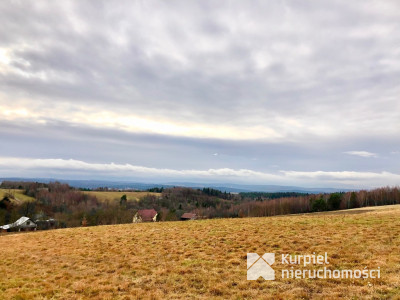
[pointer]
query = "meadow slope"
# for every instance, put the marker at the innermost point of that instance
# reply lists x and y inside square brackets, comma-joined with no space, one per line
[17,196]
[116,196]
[202,259]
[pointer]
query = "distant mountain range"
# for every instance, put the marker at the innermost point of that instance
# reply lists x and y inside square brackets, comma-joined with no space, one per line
[228,187]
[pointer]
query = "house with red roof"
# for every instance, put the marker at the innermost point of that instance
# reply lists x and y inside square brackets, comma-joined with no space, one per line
[145,215]
[188,216]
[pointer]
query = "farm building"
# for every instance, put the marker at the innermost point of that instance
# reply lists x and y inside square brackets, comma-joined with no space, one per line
[145,215]
[46,224]
[188,216]
[22,224]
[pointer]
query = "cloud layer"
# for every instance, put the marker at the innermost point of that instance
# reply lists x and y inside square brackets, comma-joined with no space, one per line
[308,86]
[57,167]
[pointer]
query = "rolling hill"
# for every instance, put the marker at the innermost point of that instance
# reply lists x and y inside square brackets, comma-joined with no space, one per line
[203,259]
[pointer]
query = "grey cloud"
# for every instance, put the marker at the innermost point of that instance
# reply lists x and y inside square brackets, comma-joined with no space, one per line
[74,167]
[64,140]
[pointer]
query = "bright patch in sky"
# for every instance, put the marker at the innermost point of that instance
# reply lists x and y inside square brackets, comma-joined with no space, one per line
[361,153]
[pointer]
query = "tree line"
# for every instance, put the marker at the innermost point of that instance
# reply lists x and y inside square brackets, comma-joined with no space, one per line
[260,196]
[71,207]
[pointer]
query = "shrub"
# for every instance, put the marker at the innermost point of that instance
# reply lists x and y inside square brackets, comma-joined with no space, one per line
[334,201]
[319,205]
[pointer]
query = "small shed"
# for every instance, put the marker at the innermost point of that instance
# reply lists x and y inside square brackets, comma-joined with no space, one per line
[22,224]
[188,216]
[145,215]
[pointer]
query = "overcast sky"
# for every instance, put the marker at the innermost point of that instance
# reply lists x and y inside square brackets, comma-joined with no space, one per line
[262,92]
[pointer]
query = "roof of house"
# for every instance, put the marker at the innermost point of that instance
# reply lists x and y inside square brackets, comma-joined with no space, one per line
[188,216]
[21,221]
[147,214]
[17,223]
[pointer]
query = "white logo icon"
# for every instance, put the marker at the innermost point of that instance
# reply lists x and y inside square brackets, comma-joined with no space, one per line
[260,266]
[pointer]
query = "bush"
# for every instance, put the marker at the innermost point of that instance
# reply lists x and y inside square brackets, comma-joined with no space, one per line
[353,200]
[334,201]
[319,205]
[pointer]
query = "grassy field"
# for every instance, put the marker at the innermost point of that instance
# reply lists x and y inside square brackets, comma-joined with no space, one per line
[116,196]
[203,259]
[17,194]
[101,196]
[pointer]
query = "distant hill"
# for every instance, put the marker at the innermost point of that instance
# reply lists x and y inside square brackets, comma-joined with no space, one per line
[228,187]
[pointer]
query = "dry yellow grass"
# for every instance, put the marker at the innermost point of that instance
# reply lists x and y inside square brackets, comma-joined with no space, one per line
[17,194]
[116,196]
[202,259]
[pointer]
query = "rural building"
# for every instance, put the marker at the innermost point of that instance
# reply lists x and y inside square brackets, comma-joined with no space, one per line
[145,215]
[188,216]
[46,224]
[22,224]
